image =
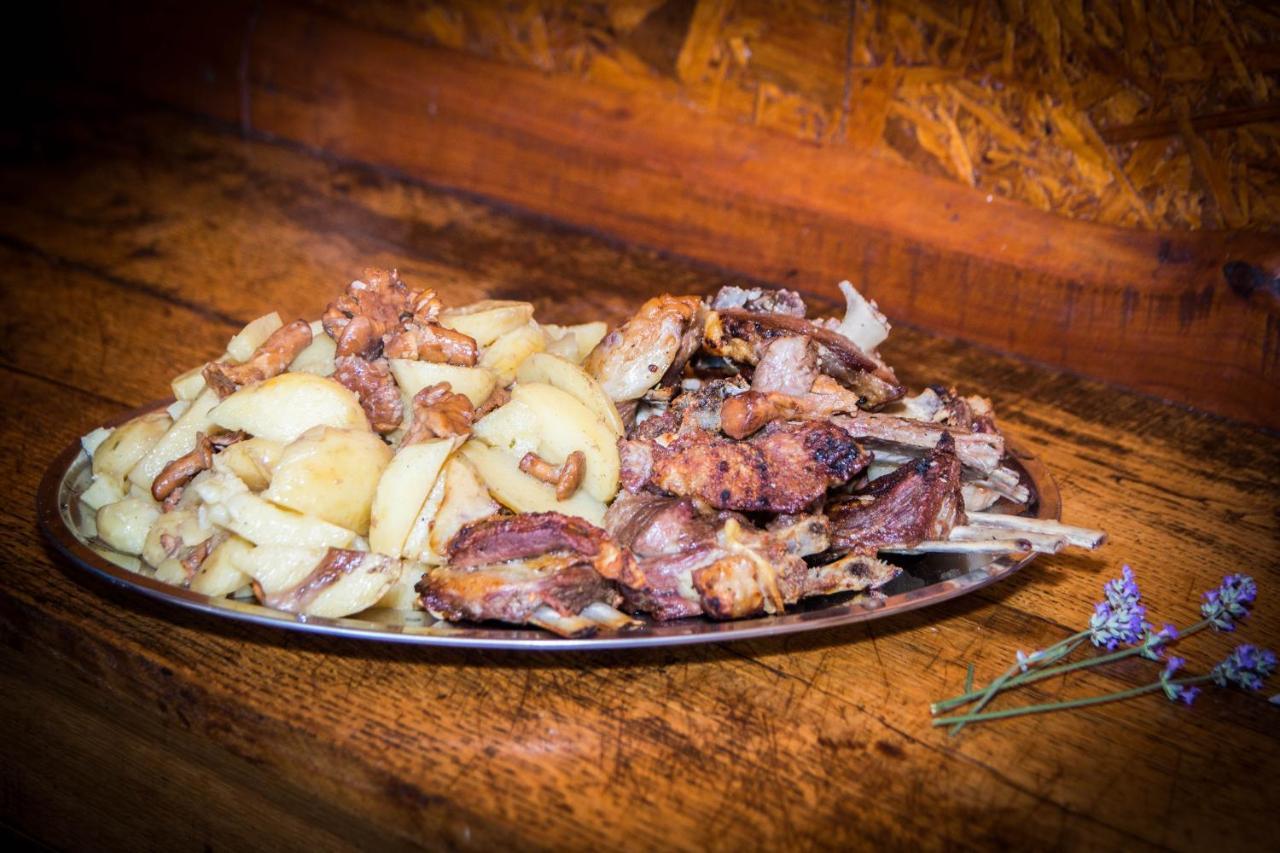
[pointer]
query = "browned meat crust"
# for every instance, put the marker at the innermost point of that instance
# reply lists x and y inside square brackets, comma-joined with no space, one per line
[920,501]
[374,386]
[787,366]
[513,591]
[653,525]
[270,359]
[517,537]
[784,468]
[438,413]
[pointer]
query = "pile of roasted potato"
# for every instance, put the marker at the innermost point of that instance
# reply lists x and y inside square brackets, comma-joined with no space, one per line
[311,475]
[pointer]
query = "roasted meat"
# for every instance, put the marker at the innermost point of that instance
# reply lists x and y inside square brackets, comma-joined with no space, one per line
[759,299]
[919,501]
[785,467]
[545,568]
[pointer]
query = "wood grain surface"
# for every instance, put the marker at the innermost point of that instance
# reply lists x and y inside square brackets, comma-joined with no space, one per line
[1149,310]
[132,247]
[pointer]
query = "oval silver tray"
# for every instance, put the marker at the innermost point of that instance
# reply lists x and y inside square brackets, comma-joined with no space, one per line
[925,580]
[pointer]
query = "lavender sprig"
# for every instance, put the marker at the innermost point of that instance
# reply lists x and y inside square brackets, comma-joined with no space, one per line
[1120,618]
[1247,667]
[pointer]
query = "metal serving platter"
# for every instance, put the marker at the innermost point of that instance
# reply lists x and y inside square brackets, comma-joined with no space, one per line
[925,580]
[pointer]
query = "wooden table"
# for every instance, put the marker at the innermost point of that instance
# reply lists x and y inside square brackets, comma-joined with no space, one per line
[133,247]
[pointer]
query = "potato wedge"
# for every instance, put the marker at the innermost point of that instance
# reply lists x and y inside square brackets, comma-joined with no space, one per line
[584,337]
[566,425]
[285,406]
[252,336]
[416,544]
[252,461]
[403,594]
[188,385]
[183,526]
[220,573]
[278,570]
[128,443]
[264,523]
[412,376]
[402,491]
[466,499]
[504,355]
[518,491]
[548,369]
[102,491]
[487,320]
[124,524]
[317,358]
[330,474]
[179,440]
[513,427]
[92,441]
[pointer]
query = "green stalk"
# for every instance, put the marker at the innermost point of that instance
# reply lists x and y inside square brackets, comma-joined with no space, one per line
[1052,653]
[1039,674]
[1070,703]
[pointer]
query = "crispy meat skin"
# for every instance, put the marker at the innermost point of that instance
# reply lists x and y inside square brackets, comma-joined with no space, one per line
[270,359]
[373,385]
[784,468]
[919,501]
[438,413]
[649,347]
[513,591]
[517,537]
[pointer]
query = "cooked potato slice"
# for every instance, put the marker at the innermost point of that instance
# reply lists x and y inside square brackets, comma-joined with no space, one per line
[504,355]
[566,425]
[102,491]
[512,427]
[252,461]
[317,358]
[90,443]
[548,369]
[487,320]
[402,492]
[182,526]
[331,474]
[280,570]
[465,500]
[584,338]
[412,376]
[416,544]
[189,385]
[264,523]
[216,488]
[220,573]
[252,336]
[403,595]
[124,524]
[285,406]
[518,491]
[128,443]
[179,440]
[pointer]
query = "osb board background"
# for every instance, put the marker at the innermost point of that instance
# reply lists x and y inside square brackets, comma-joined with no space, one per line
[1151,114]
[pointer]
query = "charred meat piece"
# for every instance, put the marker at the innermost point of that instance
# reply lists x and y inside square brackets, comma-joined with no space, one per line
[742,335]
[373,385]
[759,299]
[270,359]
[653,525]
[691,411]
[784,468]
[546,569]
[918,502]
[516,537]
[652,345]
[787,366]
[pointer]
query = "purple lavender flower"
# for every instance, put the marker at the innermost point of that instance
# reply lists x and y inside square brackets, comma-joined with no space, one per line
[1120,618]
[1229,602]
[1153,645]
[1247,667]
[1176,692]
